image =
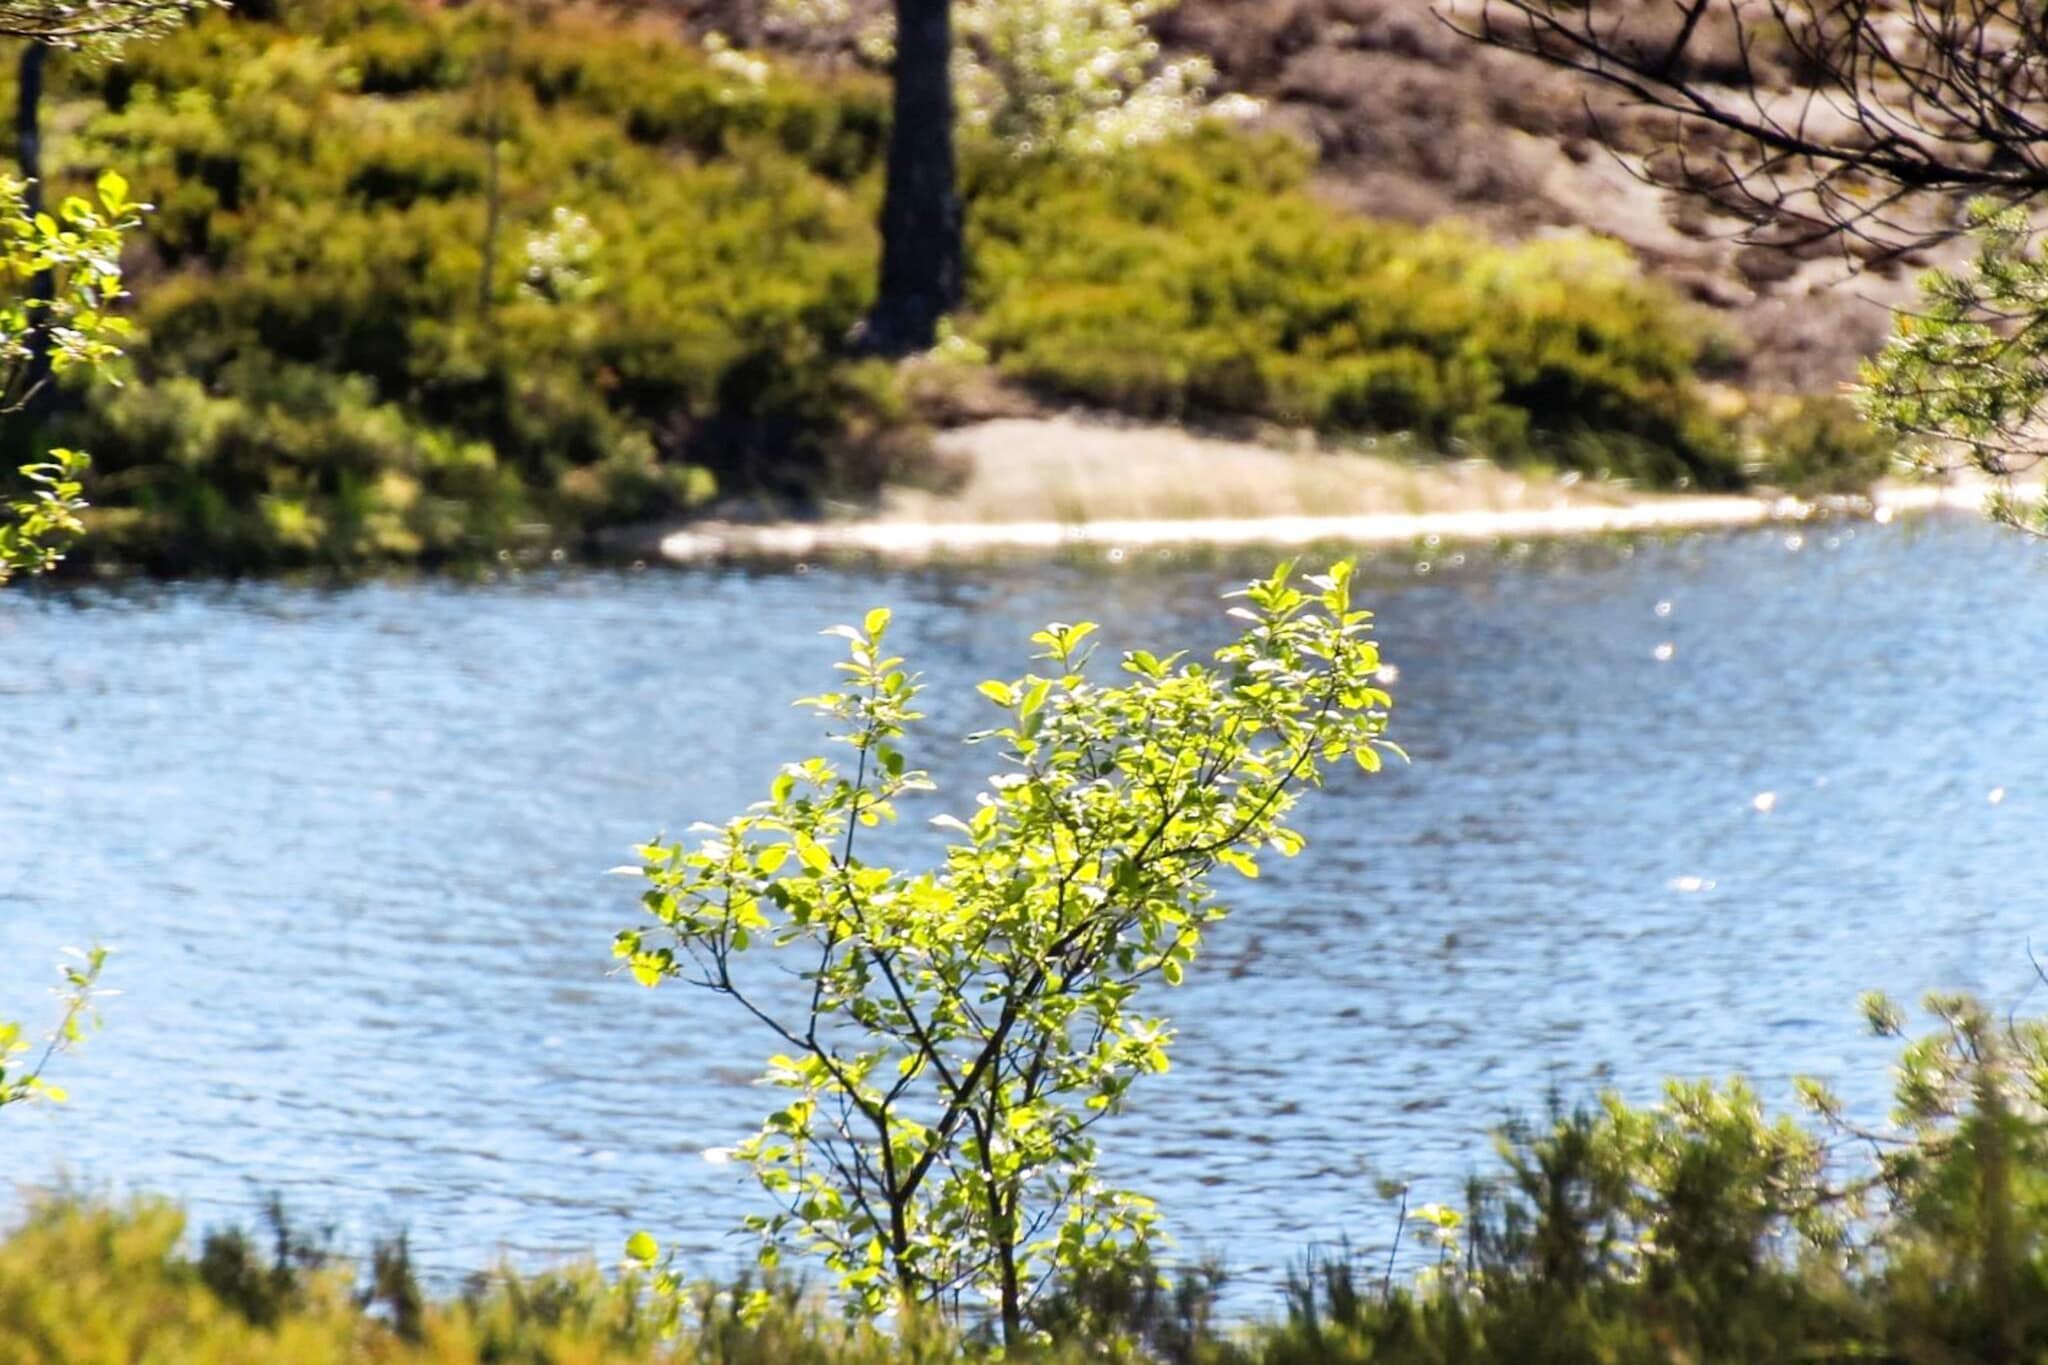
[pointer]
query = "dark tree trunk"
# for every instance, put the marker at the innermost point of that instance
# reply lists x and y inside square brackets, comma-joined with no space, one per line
[487,273]
[36,389]
[923,258]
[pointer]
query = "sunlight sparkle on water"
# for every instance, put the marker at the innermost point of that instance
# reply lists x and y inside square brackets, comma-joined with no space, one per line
[1764,802]
[1664,653]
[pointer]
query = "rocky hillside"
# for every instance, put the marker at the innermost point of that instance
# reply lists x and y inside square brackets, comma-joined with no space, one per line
[1418,122]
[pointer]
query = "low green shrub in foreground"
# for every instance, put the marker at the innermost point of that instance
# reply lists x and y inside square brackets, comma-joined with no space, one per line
[342,362]
[84,1284]
[1698,1230]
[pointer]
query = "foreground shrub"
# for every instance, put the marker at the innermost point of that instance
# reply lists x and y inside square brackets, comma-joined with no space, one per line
[85,1284]
[1698,1229]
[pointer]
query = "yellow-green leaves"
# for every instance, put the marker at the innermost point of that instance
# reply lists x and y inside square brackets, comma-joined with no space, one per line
[959,1029]
[1964,374]
[813,854]
[1238,862]
[77,250]
[113,192]
[1286,842]
[37,522]
[22,1061]
[1061,641]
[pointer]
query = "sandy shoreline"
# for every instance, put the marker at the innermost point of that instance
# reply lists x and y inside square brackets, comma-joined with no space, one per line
[918,540]
[1059,483]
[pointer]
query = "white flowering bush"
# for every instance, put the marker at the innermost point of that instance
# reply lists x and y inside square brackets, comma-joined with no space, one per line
[561,261]
[1074,76]
[744,72]
[1078,76]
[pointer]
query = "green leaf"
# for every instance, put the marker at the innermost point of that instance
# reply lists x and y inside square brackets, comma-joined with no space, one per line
[642,1249]
[877,621]
[113,190]
[1238,862]
[1001,693]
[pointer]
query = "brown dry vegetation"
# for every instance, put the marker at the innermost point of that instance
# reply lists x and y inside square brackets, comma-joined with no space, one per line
[1417,123]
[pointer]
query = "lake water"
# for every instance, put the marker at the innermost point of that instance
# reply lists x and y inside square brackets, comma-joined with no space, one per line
[349,845]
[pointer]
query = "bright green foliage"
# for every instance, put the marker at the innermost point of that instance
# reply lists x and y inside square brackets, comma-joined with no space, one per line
[1968,374]
[964,1029]
[1199,278]
[39,520]
[79,248]
[317,383]
[24,1060]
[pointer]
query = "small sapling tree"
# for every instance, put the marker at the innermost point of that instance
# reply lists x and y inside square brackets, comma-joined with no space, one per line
[77,251]
[954,1036]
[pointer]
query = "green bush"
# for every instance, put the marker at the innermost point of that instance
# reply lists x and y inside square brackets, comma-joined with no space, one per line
[327,378]
[1200,279]
[1818,446]
[86,1284]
